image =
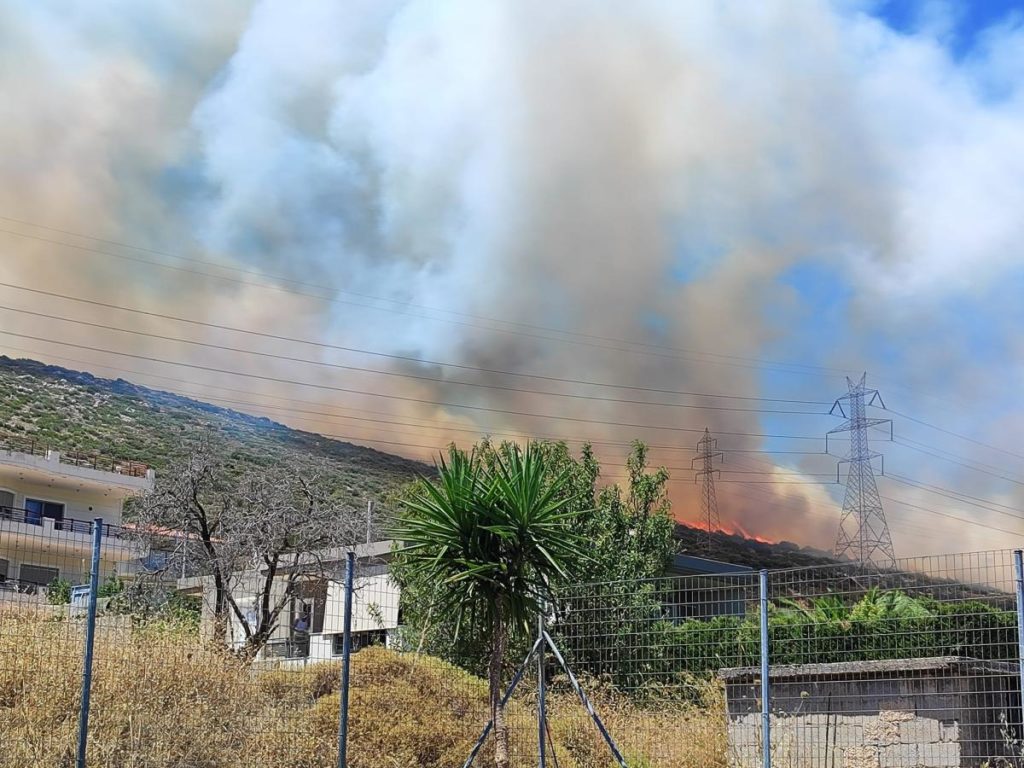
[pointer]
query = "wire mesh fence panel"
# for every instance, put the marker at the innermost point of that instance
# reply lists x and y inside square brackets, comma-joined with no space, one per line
[649,655]
[915,665]
[44,563]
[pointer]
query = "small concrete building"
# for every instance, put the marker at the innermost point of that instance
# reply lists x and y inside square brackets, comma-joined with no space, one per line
[311,624]
[711,588]
[48,501]
[937,712]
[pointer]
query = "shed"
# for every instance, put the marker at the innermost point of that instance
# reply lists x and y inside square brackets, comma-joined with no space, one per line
[935,712]
[711,588]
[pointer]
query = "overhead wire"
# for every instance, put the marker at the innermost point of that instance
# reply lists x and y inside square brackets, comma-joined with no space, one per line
[399,374]
[404,358]
[333,388]
[633,347]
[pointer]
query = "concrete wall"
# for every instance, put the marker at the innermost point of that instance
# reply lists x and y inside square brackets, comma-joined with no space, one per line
[888,739]
[952,715]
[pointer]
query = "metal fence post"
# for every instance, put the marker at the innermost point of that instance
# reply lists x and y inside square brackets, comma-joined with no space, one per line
[1018,565]
[766,721]
[541,693]
[90,639]
[346,657]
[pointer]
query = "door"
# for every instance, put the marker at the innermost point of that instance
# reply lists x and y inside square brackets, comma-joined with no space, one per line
[36,510]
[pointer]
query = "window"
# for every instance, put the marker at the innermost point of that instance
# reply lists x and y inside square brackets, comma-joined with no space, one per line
[6,504]
[4,565]
[38,575]
[36,510]
[360,640]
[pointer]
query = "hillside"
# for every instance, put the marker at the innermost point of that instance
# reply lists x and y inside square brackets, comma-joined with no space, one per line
[74,411]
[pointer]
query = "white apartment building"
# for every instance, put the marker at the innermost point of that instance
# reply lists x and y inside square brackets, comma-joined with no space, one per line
[310,628]
[48,501]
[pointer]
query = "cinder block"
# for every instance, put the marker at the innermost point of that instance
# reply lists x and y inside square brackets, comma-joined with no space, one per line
[882,732]
[949,730]
[862,756]
[898,756]
[939,755]
[919,730]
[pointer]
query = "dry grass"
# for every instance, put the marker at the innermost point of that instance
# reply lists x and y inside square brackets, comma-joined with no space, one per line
[162,701]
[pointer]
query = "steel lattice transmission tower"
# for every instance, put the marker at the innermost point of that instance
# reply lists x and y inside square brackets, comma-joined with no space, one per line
[863,531]
[707,450]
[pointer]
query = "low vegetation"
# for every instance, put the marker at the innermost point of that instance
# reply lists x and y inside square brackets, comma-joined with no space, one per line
[642,652]
[160,700]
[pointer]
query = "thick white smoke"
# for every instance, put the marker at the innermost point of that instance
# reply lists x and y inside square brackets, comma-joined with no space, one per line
[653,171]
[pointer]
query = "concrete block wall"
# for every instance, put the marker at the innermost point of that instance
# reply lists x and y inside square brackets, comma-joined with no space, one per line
[888,739]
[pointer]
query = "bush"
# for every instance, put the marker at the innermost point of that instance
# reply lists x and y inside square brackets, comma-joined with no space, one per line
[58,592]
[163,700]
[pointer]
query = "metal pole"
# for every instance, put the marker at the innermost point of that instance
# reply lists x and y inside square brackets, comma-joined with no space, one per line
[504,700]
[369,521]
[766,721]
[1018,562]
[541,693]
[346,657]
[90,639]
[586,703]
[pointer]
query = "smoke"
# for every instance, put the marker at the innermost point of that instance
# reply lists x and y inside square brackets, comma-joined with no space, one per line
[655,194]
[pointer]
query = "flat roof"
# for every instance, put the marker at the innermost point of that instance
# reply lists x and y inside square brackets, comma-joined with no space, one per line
[691,565]
[853,668]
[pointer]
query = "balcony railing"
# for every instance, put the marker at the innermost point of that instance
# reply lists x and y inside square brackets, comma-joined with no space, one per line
[67,524]
[92,459]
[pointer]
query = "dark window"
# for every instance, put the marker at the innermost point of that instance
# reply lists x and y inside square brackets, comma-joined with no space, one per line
[4,565]
[36,510]
[6,504]
[360,640]
[38,575]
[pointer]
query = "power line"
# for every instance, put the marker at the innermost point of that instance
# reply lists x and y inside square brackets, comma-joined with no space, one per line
[939,456]
[633,348]
[391,356]
[361,369]
[963,498]
[956,434]
[332,388]
[954,517]
[423,423]
[285,279]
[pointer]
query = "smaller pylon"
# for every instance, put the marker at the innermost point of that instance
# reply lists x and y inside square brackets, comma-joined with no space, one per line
[707,450]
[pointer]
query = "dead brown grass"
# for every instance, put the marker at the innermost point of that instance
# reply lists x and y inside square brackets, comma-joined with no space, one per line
[160,700]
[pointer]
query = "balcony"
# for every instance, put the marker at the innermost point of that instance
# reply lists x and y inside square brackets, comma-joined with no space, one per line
[93,466]
[22,529]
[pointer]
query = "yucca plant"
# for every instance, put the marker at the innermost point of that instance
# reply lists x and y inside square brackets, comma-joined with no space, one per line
[492,537]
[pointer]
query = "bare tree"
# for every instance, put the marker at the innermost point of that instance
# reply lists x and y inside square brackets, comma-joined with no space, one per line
[258,538]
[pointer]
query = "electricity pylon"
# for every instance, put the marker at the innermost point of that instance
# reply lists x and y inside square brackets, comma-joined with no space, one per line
[863,531]
[707,450]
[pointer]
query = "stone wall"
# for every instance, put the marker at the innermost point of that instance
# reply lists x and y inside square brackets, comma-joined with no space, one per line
[942,712]
[889,739]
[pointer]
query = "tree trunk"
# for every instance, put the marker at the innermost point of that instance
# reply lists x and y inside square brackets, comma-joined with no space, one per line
[220,609]
[498,642]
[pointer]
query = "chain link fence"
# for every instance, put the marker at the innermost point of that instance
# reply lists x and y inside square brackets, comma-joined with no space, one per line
[911,667]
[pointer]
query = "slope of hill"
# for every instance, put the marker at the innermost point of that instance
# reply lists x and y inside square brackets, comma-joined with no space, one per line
[740,550]
[74,411]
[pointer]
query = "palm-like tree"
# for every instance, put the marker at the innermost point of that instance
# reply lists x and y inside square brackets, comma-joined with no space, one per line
[492,536]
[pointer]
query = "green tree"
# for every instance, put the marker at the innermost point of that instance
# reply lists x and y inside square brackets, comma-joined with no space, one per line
[493,531]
